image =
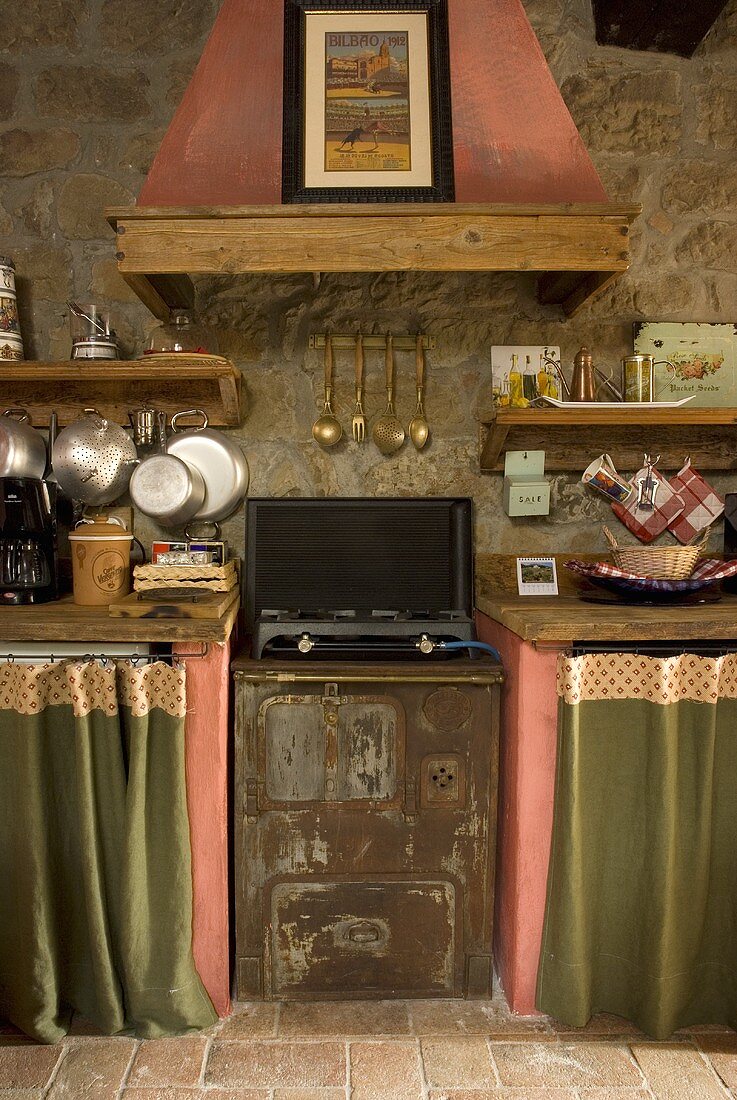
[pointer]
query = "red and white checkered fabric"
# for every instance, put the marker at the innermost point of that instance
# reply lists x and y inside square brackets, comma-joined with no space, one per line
[701,505]
[647,524]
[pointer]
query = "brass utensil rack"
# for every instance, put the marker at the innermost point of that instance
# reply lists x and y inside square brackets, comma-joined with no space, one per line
[371,341]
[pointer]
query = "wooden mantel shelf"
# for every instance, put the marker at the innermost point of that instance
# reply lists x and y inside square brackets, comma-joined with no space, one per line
[579,249]
[115,387]
[572,437]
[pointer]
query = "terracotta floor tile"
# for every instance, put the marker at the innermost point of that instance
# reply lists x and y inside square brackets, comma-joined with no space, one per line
[602,1024]
[92,1068]
[471,1018]
[565,1065]
[168,1062]
[276,1065]
[721,1050]
[166,1092]
[299,1094]
[21,1094]
[458,1063]
[505,1094]
[27,1065]
[389,1069]
[344,1018]
[254,1020]
[677,1070]
[613,1093]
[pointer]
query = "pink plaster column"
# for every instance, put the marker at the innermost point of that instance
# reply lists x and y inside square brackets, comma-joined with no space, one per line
[206,754]
[526,789]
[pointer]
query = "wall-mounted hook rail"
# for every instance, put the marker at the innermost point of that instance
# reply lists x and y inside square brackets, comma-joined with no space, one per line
[371,341]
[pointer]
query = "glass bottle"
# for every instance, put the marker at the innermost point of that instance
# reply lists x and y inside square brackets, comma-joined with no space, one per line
[516,392]
[529,382]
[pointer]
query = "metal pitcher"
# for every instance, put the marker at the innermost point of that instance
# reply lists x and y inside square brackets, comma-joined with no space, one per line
[149,430]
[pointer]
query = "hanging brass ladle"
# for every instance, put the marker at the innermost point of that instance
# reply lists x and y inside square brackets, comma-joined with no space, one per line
[327,430]
[419,429]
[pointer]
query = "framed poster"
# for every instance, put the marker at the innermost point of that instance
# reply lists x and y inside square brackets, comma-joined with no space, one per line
[692,359]
[366,102]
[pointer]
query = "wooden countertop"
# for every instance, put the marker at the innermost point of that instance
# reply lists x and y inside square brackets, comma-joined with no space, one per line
[64,621]
[552,621]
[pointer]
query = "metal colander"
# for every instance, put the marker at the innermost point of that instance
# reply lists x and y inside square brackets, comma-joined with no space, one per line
[93,459]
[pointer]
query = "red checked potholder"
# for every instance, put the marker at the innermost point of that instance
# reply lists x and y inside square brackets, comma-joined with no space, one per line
[647,524]
[701,504]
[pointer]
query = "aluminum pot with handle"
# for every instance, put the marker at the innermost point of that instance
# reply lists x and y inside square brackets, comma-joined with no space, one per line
[168,489]
[22,448]
[220,461]
[93,459]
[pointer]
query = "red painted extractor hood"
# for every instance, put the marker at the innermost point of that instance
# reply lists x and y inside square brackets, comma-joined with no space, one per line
[514,140]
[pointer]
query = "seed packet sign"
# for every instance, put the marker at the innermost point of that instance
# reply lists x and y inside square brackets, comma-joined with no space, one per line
[704,359]
[362,115]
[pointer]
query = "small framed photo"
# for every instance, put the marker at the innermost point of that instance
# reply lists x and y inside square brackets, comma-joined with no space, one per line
[367,102]
[537,577]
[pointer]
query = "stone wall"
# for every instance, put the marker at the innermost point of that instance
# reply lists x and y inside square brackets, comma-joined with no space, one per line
[87,88]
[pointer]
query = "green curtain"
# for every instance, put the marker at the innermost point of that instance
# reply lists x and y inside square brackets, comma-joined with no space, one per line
[95,875]
[641,916]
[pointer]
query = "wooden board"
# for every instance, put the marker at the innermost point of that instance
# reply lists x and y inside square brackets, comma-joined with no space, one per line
[590,240]
[114,388]
[186,605]
[572,437]
[65,621]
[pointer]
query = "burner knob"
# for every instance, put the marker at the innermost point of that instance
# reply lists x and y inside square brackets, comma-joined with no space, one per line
[425,644]
[305,644]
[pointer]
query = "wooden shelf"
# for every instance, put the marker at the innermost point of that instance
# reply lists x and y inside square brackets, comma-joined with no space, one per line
[579,249]
[572,437]
[115,387]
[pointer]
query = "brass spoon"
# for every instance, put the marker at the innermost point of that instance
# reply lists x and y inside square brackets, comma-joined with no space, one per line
[327,430]
[387,432]
[419,429]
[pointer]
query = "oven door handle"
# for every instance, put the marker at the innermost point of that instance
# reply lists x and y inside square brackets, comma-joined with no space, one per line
[410,799]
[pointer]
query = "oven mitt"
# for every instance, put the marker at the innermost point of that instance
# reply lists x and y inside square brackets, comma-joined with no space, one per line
[647,524]
[701,504]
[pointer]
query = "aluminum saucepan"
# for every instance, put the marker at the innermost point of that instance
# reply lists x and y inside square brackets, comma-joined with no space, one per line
[220,461]
[168,489]
[22,448]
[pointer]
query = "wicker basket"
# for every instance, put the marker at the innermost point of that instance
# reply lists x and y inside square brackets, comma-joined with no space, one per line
[666,563]
[214,578]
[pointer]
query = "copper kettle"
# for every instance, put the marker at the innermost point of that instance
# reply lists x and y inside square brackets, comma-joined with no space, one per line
[587,379]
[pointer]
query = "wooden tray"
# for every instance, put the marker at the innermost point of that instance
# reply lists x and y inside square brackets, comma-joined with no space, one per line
[173,604]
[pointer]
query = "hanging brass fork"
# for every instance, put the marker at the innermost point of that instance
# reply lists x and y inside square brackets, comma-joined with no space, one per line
[359,420]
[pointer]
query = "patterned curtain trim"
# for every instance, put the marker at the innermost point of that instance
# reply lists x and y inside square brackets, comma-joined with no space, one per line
[29,689]
[663,680]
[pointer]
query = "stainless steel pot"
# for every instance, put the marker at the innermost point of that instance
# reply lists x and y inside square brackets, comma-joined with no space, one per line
[220,461]
[93,459]
[22,448]
[168,489]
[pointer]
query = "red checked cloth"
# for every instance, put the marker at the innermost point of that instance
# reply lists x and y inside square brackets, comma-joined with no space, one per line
[708,571]
[701,505]
[644,524]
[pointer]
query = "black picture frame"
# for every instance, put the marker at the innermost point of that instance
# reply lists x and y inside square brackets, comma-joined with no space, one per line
[441,137]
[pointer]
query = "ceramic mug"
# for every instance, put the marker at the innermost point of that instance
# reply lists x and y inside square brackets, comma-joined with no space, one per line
[601,474]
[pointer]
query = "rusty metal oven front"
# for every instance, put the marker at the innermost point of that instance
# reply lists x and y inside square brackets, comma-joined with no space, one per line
[365,821]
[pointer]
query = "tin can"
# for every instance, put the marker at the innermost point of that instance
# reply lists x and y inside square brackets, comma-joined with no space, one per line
[637,377]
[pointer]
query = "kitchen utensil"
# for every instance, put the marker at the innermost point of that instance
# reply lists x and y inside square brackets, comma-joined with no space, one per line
[92,336]
[327,430]
[218,458]
[168,489]
[419,429]
[649,522]
[149,430]
[584,386]
[359,420]
[22,449]
[28,560]
[388,433]
[601,474]
[638,377]
[101,556]
[182,334]
[647,486]
[93,459]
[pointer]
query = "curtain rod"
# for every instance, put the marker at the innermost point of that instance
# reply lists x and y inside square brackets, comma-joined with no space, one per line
[132,658]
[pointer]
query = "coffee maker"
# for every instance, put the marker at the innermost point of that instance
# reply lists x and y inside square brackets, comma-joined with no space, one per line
[28,557]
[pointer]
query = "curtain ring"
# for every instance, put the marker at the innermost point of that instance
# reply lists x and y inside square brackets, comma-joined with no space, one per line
[10,658]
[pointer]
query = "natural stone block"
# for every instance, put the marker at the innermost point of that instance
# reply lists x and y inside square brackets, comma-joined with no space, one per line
[380,1070]
[700,187]
[8,89]
[721,1050]
[27,152]
[249,1021]
[662,296]
[139,151]
[710,245]
[138,27]
[716,105]
[626,111]
[108,285]
[276,1065]
[43,271]
[676,1070]
[6,222]
[82,202]
[92,93]
[26,1065]
[558,1065]
[168,1062]
[92,1069]
[344,1018]
[36,212]
[458,1063]
[42,23]
[180,74]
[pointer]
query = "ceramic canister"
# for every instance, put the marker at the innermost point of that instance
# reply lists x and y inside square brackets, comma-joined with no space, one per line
[11,347]
[7,276]
[101,557]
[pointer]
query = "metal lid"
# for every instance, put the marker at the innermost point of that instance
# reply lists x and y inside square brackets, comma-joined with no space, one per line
[101,527]
[5,261]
